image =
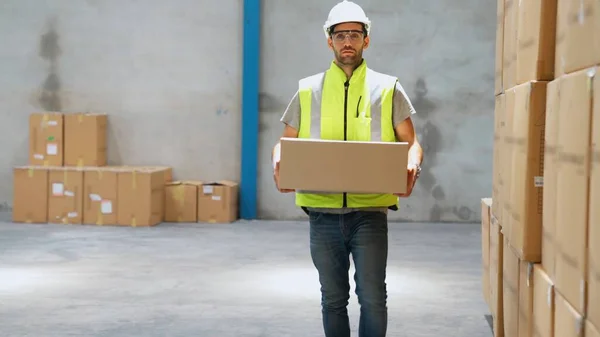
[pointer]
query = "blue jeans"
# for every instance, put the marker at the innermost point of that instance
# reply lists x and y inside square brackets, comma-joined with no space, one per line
[333,237]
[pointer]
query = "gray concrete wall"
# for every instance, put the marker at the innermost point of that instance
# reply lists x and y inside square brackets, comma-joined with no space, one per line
[169,75]
[443,53]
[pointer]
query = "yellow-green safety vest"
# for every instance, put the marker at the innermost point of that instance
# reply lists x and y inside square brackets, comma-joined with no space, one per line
[330,105]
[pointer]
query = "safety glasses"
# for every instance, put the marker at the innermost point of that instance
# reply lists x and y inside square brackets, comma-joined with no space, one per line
[340,36]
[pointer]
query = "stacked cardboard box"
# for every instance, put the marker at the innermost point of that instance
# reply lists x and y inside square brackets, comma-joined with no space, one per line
[496,268]
[546,175]
[68,181]
[57,139]
[486,227]
[212,202]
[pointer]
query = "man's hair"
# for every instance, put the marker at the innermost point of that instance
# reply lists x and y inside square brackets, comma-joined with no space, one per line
[332,28]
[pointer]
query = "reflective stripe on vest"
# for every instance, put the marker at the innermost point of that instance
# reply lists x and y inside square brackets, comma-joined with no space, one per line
[369,118]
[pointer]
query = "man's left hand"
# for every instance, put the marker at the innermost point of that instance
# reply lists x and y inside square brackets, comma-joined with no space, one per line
[411,178]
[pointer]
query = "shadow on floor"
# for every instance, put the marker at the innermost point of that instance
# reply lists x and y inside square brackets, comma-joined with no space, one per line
[490,321]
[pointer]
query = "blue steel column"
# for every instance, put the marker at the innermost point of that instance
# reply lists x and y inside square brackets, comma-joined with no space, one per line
[250,89]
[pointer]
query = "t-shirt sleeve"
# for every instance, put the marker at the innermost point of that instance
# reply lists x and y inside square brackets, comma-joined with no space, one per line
[291,116]
[402,107]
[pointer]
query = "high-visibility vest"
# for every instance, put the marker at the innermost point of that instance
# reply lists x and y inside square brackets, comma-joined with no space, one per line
[324,98]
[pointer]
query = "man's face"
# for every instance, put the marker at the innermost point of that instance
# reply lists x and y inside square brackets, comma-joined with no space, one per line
[347,42]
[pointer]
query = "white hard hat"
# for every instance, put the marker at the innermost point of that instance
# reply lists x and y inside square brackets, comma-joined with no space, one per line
[346,11]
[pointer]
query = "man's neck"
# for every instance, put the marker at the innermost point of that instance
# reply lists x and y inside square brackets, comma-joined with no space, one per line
[349,69]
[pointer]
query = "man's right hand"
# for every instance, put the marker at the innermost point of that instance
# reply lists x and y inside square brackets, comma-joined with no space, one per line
[276,178]
[276,157]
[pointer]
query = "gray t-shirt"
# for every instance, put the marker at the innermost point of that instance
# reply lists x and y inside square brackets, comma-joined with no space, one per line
[402,108]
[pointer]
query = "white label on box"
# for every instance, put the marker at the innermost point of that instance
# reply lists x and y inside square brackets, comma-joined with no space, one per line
[69,194]
[72,215]
[549,297]
[95,197]
[52,149]
[216,197]
[57,189]
[538,181]
[106,207]
[38,156]
[53,123]
[207,189]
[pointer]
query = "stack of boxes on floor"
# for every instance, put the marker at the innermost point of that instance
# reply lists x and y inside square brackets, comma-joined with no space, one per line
[541,228]
[68,181]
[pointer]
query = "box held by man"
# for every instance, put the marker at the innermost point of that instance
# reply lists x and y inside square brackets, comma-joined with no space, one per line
[343,166]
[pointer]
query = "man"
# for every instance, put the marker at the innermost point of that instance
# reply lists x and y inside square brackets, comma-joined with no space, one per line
[352,224]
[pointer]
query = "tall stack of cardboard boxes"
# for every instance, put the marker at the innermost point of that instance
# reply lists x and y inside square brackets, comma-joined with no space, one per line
[68,181]
[543,224]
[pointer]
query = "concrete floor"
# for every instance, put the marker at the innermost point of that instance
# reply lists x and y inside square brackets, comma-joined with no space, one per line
[243,279]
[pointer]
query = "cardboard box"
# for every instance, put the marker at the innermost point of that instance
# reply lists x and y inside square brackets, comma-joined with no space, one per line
[168,177]
[543,303]
[568,322]
[166,170]
[574,134]
[561,37]
[526,192]
[46,139]
[511,290]
[496,278]
[507,162]
[591,330]
[100,196]
[65,195]
[218,202]
[486,204]
[581,44]
[550,171]
[85,139]
[536,38]
[511,24]
[30,198]
[593,302]
[332,166]
[526,290]
[140,196]
[167,173]
[497,185]
[181,201]
[498,88]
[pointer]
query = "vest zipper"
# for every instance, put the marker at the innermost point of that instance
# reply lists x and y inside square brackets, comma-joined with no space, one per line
[346,85]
